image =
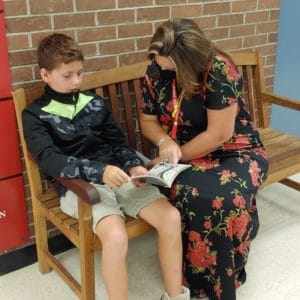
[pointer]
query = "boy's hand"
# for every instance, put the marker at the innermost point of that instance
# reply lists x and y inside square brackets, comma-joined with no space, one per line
[139,170]
[114,176]
[154,162]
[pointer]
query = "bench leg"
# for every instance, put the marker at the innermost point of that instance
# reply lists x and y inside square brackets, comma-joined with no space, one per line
[86,237]
[291,183]
[41,237]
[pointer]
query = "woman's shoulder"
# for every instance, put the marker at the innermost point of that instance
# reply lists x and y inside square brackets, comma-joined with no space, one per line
[223,65]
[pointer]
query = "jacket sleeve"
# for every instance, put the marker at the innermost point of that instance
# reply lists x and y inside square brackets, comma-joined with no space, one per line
[122,153]
[51,160]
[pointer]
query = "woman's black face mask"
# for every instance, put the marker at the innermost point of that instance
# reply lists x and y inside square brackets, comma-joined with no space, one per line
[158,73]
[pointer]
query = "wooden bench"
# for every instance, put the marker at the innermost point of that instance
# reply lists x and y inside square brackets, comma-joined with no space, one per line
[122,88]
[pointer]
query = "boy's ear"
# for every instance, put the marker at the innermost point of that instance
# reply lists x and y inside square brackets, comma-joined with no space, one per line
[44,74]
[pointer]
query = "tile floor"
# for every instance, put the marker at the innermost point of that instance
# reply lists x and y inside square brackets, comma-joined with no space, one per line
[273,267]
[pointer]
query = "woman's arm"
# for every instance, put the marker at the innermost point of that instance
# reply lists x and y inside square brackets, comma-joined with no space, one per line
[152,129]
[220,128]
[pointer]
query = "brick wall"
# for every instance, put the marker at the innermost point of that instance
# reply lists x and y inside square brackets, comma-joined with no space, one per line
[117,32]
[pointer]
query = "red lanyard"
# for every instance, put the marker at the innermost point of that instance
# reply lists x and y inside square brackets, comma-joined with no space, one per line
[176,108]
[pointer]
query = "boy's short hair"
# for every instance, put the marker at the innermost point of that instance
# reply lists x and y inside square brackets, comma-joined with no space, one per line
[57,48]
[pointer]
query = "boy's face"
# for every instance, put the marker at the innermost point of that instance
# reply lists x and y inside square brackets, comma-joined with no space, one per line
[65,78]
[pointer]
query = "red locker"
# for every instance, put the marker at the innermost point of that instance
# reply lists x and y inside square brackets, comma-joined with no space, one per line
[10,164]
[5,82]
[13,220]
[12,214]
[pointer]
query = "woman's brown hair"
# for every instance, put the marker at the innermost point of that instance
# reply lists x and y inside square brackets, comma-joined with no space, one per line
[183,41]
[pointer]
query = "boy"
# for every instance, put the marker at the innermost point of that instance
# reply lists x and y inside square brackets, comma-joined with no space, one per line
[72,134]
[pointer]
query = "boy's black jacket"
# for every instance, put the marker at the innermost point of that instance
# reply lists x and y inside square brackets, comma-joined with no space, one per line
[75,136]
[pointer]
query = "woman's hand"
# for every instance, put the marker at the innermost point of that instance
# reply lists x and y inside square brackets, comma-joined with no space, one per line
[114,176]
[154,162]
[170,151]
[152,129]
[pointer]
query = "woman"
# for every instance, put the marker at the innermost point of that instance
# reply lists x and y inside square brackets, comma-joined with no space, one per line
[194,111]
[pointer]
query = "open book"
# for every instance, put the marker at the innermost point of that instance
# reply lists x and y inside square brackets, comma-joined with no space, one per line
[162,174]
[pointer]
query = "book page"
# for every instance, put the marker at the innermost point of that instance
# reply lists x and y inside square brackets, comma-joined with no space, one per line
[163,174]
[171,173]
[160,169]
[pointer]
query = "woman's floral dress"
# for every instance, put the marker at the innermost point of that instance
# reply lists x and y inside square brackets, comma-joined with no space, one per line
[216,196]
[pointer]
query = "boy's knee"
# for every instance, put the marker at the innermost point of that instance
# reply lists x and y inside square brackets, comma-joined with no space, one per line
[115,239]
[173,216]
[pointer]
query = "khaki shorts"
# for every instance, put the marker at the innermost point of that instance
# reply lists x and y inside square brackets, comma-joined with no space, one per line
[127,199]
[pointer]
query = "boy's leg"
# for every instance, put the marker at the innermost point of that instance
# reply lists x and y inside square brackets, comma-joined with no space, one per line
[149,204]
[109,226]
[113,236]
[166,220]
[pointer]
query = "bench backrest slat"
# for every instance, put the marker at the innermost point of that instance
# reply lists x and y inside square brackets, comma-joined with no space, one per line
[113,99]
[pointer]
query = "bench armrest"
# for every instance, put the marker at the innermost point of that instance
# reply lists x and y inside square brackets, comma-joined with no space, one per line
[86,191]
[280,100]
